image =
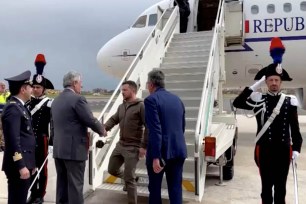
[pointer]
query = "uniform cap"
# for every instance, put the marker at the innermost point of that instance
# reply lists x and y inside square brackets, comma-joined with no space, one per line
[16,82]
[273,70]
[38,78]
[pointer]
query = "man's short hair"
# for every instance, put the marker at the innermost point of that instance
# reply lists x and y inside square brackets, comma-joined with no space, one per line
[157,78]
[131,84]
[70,78]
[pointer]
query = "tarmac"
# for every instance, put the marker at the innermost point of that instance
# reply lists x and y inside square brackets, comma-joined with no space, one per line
[244,188]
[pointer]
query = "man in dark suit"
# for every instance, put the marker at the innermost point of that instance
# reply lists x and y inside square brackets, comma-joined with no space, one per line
[19,154]
[71,117]
[166,149]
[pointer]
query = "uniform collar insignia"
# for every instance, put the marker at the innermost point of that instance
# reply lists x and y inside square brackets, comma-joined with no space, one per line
[274,94]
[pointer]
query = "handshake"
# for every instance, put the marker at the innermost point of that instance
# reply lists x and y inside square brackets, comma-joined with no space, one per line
[102,141]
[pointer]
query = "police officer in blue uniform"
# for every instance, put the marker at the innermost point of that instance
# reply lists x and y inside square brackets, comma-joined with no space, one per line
[19,154]
[40,108]
[280,140]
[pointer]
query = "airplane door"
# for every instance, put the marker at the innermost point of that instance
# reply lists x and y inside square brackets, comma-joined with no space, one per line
[234,28]
[207,13]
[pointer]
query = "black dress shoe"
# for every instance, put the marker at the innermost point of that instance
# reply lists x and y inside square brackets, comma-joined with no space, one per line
[38,201]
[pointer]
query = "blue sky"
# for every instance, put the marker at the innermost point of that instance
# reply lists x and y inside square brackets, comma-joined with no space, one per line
[68,32]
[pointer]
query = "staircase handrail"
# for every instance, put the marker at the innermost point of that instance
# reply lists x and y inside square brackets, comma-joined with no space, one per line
[130,74]
[206,105]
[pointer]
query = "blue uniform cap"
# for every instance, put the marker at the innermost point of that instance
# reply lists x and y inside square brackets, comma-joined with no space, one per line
[16,82]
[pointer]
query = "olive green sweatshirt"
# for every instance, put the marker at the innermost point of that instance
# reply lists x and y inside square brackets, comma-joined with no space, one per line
[131,119]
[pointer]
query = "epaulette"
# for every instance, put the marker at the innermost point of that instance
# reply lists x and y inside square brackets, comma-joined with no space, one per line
[49,103]
[293,100]
[256,96]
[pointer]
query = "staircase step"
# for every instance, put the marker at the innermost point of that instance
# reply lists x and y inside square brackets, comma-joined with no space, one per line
[188,47]
[191,101]
[169,71]
[191,38]
[201,52]
[189,84]
[191,112]
[143,179]
[190,42]
[188,67]
[143,191]
[181,76]
[194,34]
[191,123]
[186,58]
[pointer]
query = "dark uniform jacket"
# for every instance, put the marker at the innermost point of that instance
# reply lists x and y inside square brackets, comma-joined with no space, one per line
[41,118]
[19,137]
[71,116]
[285,127]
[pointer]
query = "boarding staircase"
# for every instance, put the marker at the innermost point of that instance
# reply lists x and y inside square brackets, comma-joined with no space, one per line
[192,63]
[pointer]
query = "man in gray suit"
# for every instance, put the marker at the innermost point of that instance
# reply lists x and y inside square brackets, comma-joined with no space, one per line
[71,117]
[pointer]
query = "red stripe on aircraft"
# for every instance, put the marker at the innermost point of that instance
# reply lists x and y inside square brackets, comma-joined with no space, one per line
[247,26]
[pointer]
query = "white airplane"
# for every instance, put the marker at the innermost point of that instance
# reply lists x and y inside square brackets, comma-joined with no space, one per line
[262,20]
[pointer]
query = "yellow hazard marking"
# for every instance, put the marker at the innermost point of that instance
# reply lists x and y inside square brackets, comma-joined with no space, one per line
[111,179]
[188,186]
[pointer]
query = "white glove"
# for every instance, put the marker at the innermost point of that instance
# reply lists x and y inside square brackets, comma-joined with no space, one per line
[295,155]
[50,149]
[258,84]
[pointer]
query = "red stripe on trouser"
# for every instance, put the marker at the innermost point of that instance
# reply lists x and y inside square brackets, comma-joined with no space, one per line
[257,155]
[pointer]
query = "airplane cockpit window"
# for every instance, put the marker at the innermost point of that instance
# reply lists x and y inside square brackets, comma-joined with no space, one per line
[271,8]
[254,9]
[152,19]
[303,5]
[287,7]
[141,22]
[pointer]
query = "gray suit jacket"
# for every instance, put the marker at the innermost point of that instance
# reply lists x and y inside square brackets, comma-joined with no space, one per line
[71,116]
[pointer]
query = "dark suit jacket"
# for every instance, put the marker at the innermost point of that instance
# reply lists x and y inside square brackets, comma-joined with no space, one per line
[71,116]
[165,119]
[19,137]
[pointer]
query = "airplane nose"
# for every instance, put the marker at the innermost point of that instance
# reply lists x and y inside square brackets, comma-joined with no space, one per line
[103,57]
[117,54]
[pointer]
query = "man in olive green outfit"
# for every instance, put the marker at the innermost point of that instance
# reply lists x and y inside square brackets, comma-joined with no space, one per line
[4,94]
[133,138]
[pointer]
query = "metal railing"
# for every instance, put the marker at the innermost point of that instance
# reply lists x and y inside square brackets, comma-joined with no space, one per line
[208,95]
[148,57]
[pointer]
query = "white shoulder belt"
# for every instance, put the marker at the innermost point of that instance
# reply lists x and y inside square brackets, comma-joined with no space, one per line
[39,105]
[271,118]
